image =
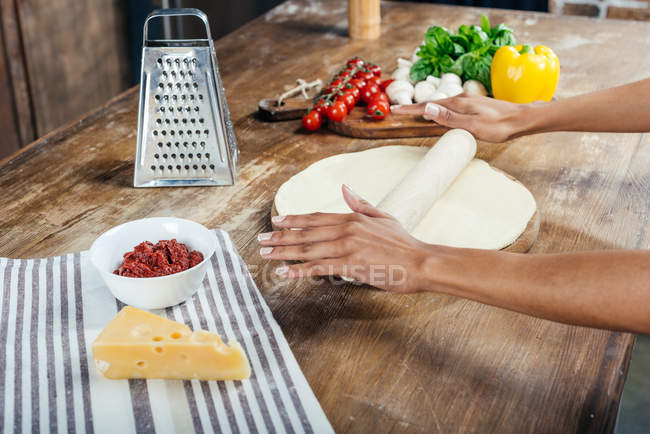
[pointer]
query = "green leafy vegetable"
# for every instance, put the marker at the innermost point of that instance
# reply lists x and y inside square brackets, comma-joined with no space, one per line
[467,53]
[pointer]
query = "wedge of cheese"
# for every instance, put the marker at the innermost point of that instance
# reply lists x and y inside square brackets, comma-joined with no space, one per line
[139,344]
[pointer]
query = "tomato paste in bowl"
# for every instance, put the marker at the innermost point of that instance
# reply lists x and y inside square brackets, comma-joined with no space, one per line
[161,259]
[172,253]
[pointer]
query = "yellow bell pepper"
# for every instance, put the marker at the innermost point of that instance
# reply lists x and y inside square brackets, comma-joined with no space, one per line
[521,74]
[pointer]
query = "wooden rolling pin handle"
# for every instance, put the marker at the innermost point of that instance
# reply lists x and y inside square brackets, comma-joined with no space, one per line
[364,19]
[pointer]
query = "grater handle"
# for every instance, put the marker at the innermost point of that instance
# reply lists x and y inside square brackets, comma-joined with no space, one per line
[177,12]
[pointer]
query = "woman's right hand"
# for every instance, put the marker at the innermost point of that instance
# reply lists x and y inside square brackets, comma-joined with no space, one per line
[486,118]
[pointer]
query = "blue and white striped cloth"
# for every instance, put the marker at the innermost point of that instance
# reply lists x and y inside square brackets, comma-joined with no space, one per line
[52,309]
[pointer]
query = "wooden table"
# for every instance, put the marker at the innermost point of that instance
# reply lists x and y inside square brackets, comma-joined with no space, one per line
[380,362]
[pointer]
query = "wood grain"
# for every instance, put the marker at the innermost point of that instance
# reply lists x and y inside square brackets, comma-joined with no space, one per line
[76,56]
[9,132]
[17,71]
[293,108]
[522,244]
[359,124]
[380,362]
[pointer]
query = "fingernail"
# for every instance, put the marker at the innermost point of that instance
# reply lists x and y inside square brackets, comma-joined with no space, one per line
[432,109]
[264,251]
[278,218]
[264,236]
[282,270]
[349,189]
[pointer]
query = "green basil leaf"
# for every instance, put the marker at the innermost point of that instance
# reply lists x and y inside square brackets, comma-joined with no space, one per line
[461,40]
[485,24]
[420,70]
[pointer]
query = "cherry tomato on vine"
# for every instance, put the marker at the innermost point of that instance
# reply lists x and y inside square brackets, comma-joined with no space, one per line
[375,80]
[356,92]
[321,107]
[337,111]
[378,109]
[312,121]
[384,84]
[375,69]
[355,61]
[364,75]
[358,83]
[348,99]
[368,91]
[379,96]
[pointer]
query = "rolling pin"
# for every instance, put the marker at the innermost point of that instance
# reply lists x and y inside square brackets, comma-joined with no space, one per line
[414,196]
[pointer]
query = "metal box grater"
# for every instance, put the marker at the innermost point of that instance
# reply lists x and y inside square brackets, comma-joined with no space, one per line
[185,135]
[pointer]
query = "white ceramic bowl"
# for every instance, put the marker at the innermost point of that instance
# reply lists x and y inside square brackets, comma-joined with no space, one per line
[107,252]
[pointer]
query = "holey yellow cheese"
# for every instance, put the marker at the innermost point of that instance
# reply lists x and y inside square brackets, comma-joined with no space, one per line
[139,344]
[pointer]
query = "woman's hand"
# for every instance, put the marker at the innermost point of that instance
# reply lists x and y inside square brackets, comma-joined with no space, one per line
[366,245]
[486,118]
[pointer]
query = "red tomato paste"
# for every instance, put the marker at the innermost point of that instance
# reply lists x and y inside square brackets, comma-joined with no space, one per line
[161,259]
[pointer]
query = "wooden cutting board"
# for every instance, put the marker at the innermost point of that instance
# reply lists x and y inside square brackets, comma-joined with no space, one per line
[359,124]
[520,245]
[292,108]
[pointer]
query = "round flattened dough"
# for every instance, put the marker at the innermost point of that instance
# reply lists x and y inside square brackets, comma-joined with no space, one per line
[481,209]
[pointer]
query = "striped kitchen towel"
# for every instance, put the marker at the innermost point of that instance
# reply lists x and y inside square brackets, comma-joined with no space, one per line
[51,311]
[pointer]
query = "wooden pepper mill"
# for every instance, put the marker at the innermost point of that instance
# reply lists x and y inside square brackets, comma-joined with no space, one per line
[364,19]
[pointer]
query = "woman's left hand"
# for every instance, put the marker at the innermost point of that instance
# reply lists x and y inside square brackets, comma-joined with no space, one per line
[367,245]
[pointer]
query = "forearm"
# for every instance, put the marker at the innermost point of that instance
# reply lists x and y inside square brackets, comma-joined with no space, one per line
[619,109]
[608,289]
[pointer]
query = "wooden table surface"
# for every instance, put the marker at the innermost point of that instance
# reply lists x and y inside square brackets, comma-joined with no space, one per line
[380,362]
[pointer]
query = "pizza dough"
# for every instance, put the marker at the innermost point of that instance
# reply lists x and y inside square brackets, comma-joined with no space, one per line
[416,193]
[482,208]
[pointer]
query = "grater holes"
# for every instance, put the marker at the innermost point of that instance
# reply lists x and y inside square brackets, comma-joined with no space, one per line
[178,167]
[203,166]
[159,121]
[163,132]
[164,156]
[195,167]
[193,120]
[187,167]
[167,121]
[169,144]
[160,144]
[206,132]
[155,132]
[201,120]
[190,156]
[195,85]
[176,120]
[196,108]
[156,156]
[161,167]
[185,144]
[191,97]
[207,156]
[189,132]
[157,97]
[181,156]
[174,97]
[202,145]
[159,61]
[194,145]
[200,97]
[173,156]
[177,144]
[172,132]
[153,168]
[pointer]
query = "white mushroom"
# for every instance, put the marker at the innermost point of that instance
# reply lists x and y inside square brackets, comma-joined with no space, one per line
[423,91]
[474,87]
[433,80]
[402,74]
[449,88]
[403,63]
[450,77]
[400,92]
